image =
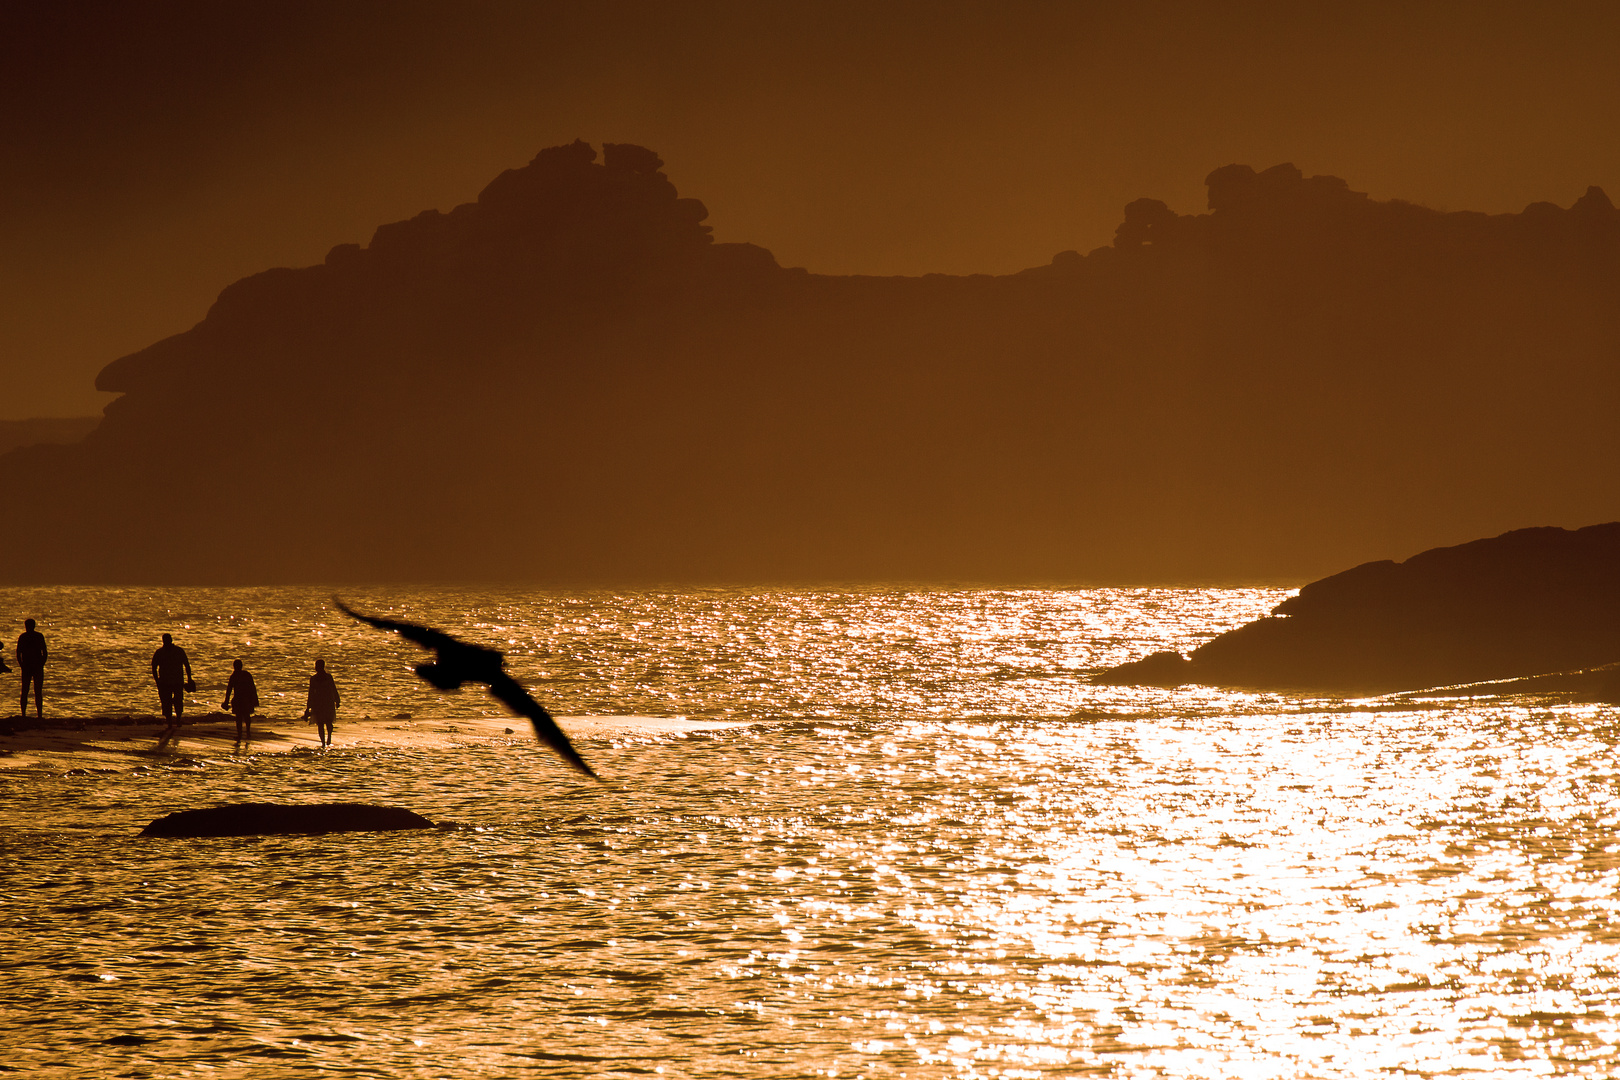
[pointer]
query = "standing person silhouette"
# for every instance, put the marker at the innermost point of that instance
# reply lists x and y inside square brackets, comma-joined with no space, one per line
[323,702]
[31,658]
[246,700]
[171,670]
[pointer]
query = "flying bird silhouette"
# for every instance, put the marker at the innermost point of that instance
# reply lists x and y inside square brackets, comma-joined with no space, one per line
[458,662]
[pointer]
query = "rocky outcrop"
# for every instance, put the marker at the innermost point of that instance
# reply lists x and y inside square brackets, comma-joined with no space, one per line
[566,381]
[1526,603]
[264,819]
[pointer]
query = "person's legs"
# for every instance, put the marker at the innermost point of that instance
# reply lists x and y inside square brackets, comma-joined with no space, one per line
[170,697]
[39,693]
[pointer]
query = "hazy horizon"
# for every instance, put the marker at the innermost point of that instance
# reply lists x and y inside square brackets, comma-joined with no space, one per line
[165,150]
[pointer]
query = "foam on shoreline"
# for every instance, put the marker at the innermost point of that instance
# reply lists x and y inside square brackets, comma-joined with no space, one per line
[115,744]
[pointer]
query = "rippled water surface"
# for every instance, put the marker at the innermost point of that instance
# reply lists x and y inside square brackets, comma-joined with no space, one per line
[931,851]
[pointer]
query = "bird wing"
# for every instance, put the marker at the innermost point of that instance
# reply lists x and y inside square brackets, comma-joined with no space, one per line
[517,699]
[424,636]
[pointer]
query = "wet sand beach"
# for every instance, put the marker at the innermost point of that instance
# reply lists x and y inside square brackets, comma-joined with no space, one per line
[117,743]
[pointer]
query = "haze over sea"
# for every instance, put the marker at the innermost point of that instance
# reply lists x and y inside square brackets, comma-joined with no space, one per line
[929,849]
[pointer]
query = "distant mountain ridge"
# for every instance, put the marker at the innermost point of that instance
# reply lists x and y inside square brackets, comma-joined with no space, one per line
[32,432]
[568,382]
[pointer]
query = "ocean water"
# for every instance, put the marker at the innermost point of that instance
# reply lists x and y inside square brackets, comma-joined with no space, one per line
[930,850]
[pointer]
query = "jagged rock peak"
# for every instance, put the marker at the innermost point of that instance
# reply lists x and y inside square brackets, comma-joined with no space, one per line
[1595,201]
[637,159]
[1238,187]
[1146,220]
[557,169]
[561,192]
[575,155]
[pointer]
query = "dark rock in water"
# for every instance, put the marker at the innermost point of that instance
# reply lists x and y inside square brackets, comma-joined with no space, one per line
[260,819]
[1524,603]
[1167,668]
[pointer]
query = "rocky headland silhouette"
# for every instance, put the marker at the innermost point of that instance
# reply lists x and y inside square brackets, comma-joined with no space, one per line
[1529,602]
[568,381]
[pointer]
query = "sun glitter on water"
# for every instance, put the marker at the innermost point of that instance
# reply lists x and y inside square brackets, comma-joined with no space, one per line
[932,851]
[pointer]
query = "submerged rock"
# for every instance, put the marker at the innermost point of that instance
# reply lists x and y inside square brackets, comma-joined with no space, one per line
[1528,602]
[261,819]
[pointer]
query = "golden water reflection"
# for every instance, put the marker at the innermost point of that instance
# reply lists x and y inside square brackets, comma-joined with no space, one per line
[936,852]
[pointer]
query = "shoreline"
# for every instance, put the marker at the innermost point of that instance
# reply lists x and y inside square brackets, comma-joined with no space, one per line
[123,743]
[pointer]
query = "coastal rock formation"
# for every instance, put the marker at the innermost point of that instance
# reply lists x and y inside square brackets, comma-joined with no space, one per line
[264,819]
[568,381]
[1526,603]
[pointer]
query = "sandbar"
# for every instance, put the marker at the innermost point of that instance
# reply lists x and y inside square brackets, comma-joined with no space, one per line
[119,743]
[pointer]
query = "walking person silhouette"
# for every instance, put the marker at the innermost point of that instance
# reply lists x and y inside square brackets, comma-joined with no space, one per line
[31,658]
[322,703]
[246,699]
[171,670]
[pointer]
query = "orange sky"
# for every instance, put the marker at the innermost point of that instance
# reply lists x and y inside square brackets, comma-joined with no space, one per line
[155,152]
